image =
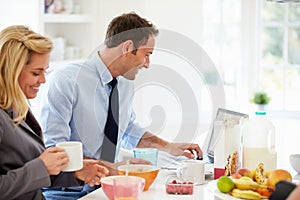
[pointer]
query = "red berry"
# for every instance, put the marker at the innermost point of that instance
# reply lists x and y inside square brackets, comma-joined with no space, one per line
[191,190]
[179,190]
[185,190]
[169,190]
[174,189]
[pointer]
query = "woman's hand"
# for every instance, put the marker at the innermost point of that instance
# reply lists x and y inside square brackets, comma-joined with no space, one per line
[55,159]
[92,172]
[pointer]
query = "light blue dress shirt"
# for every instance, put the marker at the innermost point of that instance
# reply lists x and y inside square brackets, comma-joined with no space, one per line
[74,104]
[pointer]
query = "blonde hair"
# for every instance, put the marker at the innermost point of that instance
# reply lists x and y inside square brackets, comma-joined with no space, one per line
[17,43]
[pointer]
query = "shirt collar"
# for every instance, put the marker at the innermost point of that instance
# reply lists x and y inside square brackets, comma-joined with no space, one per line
[104,74]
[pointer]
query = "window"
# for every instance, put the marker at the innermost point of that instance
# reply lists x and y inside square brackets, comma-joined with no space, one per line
[257,47]
[279,57]
[222,40]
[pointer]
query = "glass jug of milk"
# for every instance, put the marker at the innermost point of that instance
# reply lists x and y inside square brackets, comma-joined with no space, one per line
[258,143]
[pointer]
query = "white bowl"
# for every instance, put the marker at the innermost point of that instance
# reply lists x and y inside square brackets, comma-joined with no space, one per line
[295,162]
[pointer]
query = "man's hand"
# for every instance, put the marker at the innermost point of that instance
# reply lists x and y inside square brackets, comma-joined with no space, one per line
[92,172]
[176,149]
[183,149]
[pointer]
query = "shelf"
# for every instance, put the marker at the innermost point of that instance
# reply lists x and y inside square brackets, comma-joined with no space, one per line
[67,18]
[71,27]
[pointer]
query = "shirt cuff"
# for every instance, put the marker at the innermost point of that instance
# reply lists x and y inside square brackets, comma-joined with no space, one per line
[130,140]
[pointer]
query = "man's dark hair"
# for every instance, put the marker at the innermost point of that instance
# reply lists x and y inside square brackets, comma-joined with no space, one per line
[129,26]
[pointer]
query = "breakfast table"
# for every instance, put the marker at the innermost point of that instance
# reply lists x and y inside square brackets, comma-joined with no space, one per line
[157,190]
[208,191]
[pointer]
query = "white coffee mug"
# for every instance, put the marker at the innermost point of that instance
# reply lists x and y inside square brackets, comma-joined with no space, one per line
[74,151]
[192,169]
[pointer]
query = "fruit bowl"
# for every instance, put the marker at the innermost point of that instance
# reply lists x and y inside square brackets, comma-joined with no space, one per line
[295,162]
[148,172]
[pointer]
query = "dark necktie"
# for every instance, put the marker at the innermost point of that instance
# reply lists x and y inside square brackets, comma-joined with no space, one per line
[111,127]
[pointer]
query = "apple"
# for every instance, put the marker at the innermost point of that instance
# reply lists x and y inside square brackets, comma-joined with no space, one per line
[236,175]
[245,172]
[277,175]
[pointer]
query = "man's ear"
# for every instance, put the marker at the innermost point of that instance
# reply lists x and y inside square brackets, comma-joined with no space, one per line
[127,47]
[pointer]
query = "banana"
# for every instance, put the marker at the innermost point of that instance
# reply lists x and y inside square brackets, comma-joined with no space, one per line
[247,194]
[246,178]
[245,184]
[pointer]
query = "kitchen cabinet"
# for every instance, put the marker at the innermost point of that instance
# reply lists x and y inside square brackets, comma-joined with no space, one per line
[74,32]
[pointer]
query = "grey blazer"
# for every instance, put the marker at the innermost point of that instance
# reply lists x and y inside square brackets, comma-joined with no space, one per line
[22,172]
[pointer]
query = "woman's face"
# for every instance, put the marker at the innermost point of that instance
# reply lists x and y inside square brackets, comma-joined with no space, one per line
[33,74]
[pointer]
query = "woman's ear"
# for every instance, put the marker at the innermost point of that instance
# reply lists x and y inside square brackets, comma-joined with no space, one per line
[127,47]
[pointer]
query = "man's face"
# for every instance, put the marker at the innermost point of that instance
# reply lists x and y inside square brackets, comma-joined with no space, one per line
[140,59]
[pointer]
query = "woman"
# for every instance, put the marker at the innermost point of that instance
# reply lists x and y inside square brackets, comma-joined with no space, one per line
[25,165]
[295,194]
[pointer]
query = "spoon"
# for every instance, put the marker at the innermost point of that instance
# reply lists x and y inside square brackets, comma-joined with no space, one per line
[127,167]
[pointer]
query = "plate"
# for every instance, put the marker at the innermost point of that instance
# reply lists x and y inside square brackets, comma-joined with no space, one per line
[212,187]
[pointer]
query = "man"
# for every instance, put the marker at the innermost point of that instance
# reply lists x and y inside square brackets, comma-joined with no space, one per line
[77,103]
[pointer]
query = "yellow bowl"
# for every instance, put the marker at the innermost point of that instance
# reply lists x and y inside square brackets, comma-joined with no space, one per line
[148,172]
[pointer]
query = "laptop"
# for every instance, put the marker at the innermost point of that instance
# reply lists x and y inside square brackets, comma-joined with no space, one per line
[172,162]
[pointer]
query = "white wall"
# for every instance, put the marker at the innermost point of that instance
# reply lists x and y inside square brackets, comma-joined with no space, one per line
[19,12]
[107,10]
[181,16]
